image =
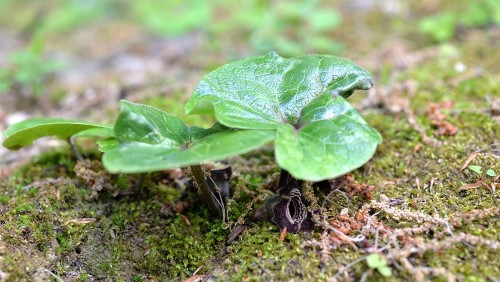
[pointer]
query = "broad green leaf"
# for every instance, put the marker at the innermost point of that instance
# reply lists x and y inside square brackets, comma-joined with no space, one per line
[319,134]
[325,149]
[142,157]
[327,107]
[264,92]
[148,139]
[149,125]
[25,132]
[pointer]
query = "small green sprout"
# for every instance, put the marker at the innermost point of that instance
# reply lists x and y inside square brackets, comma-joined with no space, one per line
[491,172]
[377,262]
[479,170]
[476,168]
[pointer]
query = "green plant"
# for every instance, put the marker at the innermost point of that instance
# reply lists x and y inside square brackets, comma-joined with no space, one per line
[442,26]
[171,17]
[319,135]
[479,170]
[291,27]
[298,102]
[377,262]
[491,172]
[25,132]
[28,69]
[147,139]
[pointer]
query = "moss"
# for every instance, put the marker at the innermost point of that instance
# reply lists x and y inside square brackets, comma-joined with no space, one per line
[132,239]
[260,255]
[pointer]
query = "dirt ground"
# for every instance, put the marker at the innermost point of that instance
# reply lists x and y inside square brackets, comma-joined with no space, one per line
[417,211]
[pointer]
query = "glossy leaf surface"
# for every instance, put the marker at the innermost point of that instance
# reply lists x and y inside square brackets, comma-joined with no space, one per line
[331,140]
[264,92]
[325,149]
[25,132]
[150,140]
[319,134]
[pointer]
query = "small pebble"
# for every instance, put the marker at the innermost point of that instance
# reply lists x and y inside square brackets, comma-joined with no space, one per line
[460,67]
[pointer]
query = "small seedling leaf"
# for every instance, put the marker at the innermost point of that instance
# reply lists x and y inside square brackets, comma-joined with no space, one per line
[146,124]
[375,261]
[491,172]
[135,157]
[475,168]
[385,271]
[26,132]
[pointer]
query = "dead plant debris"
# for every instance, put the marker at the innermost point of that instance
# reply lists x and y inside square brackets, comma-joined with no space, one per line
[398,245]
[469,160]
[437,118]
[93,176]
[81,221]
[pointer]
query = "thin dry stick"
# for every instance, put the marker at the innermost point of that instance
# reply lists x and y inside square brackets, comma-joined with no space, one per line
[58,278]
[436,245]
[469,160]
[349,265]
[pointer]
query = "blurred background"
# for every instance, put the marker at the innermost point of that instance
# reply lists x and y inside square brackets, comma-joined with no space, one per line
[77,58]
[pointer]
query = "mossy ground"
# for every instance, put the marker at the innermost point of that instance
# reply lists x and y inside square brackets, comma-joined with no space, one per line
[132,239]
[139,236]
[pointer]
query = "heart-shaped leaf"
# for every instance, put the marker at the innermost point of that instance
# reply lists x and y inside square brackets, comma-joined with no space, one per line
[319,134]
[151,140]
[25,132]
[333,141]
[264,92]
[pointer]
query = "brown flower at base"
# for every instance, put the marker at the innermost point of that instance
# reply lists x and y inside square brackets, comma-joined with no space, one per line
[287,209]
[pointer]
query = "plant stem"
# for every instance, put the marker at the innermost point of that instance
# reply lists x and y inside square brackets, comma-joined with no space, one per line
[72,145]
[206,193]
[286,179]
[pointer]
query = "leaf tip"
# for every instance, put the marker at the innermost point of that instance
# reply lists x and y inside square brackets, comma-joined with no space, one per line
[273,55]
